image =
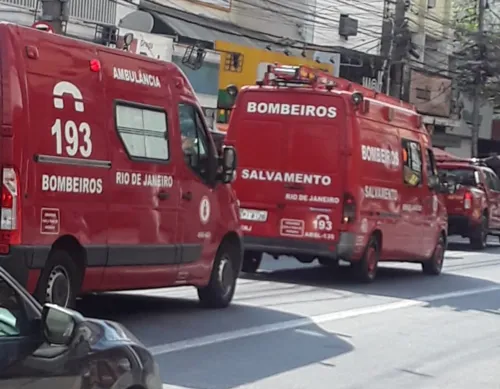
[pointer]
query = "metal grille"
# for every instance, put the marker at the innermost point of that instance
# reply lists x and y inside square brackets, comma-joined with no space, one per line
[97,11]
[31,4]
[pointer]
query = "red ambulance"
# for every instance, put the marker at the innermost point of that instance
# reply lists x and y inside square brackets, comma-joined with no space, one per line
[331,170]
[111,180]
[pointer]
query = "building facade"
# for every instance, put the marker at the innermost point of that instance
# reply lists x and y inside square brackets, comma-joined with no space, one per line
[84,14]
[219,42]
[280,19]
[355,25]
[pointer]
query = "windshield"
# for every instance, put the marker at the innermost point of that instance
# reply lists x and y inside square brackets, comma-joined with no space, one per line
[464,177]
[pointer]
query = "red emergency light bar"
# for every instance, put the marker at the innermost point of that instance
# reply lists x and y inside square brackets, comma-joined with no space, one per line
[304,75]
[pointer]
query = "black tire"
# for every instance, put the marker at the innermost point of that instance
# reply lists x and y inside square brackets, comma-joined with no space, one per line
[366,269]
[60,281]
[479,236]
[220,290]
[434,265]
[251,261]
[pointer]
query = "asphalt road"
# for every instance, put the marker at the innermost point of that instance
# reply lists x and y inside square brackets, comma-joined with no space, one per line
[298,326]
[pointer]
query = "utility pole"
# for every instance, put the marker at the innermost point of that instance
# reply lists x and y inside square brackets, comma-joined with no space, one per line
[398,49]
[55,13]
[477,86]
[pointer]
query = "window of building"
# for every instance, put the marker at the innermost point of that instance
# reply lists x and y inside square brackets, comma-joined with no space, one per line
[143,132]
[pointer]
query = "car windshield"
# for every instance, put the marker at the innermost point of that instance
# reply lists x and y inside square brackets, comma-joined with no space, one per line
[464,177]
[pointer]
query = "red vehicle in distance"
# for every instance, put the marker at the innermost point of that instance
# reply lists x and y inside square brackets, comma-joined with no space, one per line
[474,210]
[331,170]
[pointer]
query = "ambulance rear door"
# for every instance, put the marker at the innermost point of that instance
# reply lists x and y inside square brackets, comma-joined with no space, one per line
[289,149]
[262,146]
[316,160]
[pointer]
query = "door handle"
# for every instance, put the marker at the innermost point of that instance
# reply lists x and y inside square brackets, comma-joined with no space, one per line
[163,195]
[188,196]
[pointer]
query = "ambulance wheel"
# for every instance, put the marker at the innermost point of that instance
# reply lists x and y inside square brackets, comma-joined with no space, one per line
[434,265]
[220,290]
[59,281]
[366,268]
[479,235]
[251,261]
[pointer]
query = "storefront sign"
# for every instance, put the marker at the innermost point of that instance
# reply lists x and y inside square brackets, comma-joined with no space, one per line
[150,45]
[364,69]
[252,65]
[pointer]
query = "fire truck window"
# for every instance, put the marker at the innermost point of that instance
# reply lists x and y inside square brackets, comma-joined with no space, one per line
[194,139]
[143,132]
[412,163]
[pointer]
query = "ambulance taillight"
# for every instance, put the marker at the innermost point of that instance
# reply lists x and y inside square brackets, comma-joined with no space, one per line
[349,209]
[10,210]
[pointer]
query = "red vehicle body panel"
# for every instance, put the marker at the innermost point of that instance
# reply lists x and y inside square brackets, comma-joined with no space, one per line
[300,167]
[126,220]
[473,199]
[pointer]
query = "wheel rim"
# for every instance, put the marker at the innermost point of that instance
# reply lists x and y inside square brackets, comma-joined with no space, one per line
[58,287]
[371,261]
[438,256]
[226,275]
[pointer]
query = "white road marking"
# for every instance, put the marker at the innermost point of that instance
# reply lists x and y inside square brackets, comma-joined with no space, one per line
[318,319]
[167,386]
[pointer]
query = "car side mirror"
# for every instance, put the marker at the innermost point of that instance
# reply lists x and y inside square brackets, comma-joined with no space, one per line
[59,324]
[229,163]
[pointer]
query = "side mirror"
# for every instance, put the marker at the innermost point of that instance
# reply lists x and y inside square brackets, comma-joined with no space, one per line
[434,182]
[59,324]
[228,164]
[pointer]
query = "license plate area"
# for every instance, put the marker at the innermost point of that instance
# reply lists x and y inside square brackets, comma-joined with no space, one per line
[253,215]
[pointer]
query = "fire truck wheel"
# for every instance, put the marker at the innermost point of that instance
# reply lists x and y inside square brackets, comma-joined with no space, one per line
[479,235]
[366,268]
[251,261]
[220,290]
[59,281]
[434,265]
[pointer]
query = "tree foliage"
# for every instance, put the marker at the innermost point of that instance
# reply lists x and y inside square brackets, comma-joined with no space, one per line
[476,56]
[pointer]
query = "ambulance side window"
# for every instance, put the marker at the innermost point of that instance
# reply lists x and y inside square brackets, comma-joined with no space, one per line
[412,163]
[195,143]
[143,131]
